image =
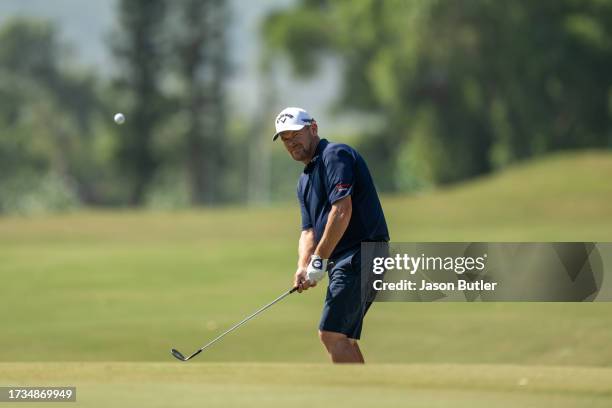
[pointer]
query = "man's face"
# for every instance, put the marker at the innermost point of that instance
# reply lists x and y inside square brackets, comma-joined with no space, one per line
[300,144]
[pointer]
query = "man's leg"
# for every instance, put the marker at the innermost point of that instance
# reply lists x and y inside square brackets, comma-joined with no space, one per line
[357,350]
[340,348]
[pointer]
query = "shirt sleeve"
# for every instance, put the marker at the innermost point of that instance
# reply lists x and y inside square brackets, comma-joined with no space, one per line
[306,222]
[339,165]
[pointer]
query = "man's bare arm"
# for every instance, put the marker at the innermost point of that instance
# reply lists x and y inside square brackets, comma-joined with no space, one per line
[337,222]
[306,247]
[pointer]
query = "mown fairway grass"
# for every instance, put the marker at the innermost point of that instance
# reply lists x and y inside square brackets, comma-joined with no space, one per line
[98,286]
[307,385]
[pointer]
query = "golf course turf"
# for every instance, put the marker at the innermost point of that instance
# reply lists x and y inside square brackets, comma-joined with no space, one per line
[97,299]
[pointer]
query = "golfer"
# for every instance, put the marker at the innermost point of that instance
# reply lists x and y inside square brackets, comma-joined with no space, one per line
[340,210]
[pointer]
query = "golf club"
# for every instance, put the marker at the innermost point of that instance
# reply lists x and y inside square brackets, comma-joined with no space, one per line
[180,355]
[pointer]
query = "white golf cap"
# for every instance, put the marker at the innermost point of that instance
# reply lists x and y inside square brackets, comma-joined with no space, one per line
[291,119]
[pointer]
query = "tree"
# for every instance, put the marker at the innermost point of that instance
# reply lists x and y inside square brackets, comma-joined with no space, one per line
[202,69]
[463,87]
[140,49]
[45,119]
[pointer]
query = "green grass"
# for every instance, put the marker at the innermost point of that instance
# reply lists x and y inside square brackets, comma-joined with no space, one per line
[306,385]
[99,286]
[127,286]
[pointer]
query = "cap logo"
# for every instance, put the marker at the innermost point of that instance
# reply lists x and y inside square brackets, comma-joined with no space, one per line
[282,118]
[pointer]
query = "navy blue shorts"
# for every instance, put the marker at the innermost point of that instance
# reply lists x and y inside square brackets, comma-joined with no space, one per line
[345,307]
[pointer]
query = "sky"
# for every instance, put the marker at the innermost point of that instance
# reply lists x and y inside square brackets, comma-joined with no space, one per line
[86,25]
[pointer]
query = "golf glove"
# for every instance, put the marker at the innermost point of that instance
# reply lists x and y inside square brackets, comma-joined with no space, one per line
[316,268]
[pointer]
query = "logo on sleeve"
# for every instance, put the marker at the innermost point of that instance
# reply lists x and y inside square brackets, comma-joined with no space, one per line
[342,187]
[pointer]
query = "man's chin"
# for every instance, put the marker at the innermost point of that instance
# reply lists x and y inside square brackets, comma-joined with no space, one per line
[298,157]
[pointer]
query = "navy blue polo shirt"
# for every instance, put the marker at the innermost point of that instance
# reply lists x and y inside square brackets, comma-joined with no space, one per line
[335,172]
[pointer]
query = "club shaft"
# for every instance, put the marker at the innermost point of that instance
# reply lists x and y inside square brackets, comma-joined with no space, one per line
[246,319]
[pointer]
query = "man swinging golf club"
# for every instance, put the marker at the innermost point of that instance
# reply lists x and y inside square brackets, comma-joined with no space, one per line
[340,209]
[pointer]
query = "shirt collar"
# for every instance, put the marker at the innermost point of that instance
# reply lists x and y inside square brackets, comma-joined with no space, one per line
[320,147]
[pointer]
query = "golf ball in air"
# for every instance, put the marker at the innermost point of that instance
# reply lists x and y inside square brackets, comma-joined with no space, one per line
[119,118]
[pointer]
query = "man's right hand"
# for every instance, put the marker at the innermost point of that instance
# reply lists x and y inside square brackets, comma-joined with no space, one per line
[301,282]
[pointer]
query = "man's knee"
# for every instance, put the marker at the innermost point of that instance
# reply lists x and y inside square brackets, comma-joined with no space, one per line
[331,339]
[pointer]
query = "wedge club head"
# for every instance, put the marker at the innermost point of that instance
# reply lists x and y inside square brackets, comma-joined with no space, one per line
[178,355]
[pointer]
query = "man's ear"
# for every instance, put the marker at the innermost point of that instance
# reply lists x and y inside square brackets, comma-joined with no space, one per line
[315,127]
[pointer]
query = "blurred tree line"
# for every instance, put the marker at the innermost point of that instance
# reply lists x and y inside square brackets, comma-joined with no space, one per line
[463,87]
[460,88]
[58,145]
[44,108]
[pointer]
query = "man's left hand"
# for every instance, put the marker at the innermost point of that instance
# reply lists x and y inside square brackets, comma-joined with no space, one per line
[316,269]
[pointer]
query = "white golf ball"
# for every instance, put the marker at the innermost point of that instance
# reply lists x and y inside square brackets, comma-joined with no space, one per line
[119,118]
